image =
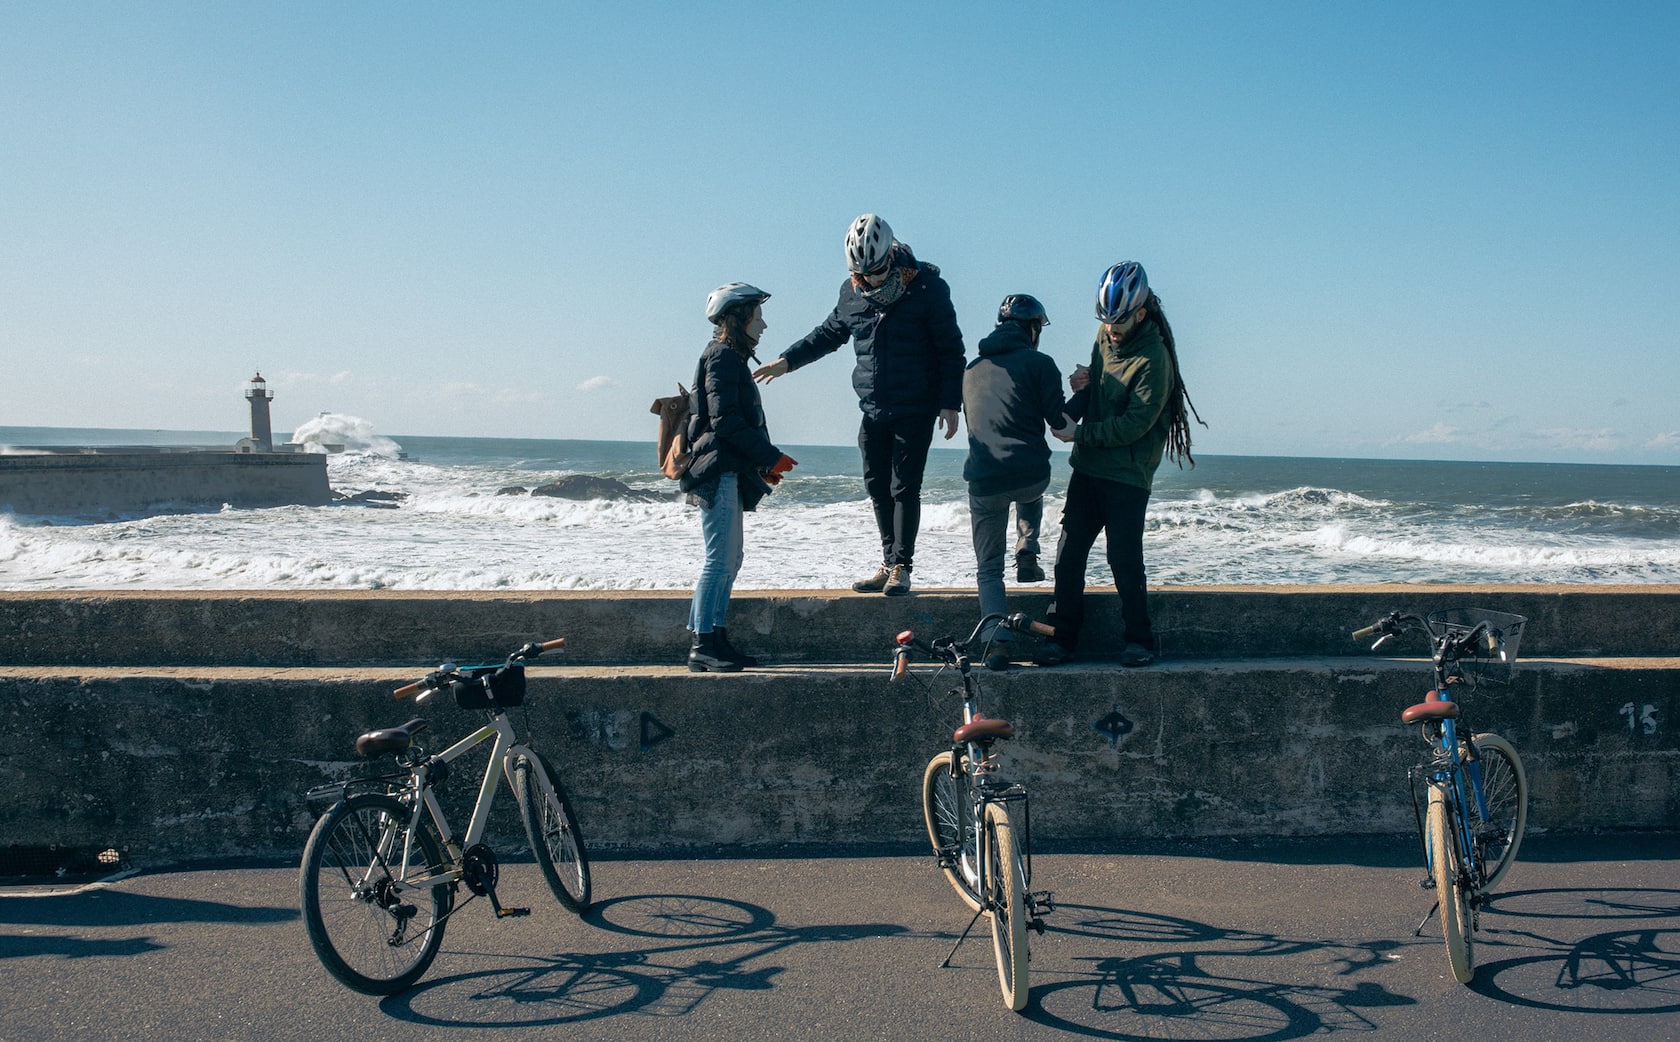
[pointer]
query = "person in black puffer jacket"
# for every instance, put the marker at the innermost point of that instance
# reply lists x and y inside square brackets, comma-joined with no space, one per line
[733,465]
[897,313]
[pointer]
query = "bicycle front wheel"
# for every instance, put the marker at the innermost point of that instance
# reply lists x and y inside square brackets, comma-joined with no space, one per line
[949,812]
[553,831]
[1451,895]
[368,933]
[1006,879]
[1505,784]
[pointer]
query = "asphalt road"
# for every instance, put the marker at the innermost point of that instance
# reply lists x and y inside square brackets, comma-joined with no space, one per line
[1218,940]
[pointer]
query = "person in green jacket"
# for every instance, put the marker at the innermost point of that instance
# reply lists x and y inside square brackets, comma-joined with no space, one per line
[1138,412]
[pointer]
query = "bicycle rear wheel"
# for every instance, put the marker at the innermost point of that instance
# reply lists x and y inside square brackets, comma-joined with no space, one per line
[1006,877]
[368,934]
[1451,894]
[1505,784]
[553,831]
[949,812]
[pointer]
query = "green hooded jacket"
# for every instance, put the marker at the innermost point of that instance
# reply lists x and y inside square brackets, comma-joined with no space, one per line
[1124,432]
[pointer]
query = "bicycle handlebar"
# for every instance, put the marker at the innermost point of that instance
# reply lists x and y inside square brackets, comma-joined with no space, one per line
[448,671]
[950,651]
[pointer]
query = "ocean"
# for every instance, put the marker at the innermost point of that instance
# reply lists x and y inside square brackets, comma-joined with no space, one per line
[449,524]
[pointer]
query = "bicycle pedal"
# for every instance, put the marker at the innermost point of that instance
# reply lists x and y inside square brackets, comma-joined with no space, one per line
[511,913]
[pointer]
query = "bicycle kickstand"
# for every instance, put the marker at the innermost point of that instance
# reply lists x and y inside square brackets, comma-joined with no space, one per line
[1428,916]
[952,953]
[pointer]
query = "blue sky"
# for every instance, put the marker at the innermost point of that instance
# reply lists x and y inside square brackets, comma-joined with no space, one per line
[1424,231]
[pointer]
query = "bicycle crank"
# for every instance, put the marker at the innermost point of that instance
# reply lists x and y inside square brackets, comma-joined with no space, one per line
[480,871]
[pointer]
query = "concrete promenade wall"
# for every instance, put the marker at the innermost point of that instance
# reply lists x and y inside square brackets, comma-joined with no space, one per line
[103,483]
[1262,720]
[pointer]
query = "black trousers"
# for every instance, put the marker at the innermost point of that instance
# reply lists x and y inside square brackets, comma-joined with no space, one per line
[894,456]
[1095,506]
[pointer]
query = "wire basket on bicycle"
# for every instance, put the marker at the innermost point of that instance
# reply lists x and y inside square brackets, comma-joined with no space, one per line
[1489,660]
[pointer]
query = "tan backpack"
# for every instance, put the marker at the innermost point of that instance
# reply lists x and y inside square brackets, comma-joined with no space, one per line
[674,455]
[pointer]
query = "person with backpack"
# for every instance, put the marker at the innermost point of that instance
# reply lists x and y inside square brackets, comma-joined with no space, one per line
[1011,393]
[897,313]
[732,466]
[1137,413]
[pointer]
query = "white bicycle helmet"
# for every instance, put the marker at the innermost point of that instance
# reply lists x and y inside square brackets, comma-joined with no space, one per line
[1123,288]
[868,245]
[732,295]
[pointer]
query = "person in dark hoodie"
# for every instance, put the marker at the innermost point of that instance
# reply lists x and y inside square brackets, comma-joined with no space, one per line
[733,465]
[1011,393]
[897,313]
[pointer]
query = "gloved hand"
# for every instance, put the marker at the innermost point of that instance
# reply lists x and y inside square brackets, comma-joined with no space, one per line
[780,467]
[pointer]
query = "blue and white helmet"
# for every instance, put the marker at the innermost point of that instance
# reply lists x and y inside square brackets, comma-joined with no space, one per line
[868,245]
[732,295]
[1123,288]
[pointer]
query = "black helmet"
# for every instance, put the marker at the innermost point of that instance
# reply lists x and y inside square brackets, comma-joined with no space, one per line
[1022,308]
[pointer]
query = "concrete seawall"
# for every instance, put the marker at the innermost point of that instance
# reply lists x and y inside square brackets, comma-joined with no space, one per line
[107,482]
[173,725]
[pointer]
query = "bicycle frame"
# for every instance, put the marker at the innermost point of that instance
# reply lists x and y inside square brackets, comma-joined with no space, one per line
[1453,764]
[502,755]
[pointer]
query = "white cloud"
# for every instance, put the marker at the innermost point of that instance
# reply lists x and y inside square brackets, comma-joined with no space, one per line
[1440,434]
[1667,441]
[595,383]
[1601,440]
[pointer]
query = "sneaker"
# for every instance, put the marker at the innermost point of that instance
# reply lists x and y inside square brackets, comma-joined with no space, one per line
[899,584]
[1027,569]
[875,583]
[1136,655]
[997,660]
[1050,653]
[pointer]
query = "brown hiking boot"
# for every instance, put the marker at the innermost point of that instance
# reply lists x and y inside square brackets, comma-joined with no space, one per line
[875,583]
[898,584]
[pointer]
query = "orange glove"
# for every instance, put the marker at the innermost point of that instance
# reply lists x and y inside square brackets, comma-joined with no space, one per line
[780,467]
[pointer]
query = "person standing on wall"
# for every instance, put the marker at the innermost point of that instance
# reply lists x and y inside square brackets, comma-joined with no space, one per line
[1011,393]
[1137,413]
[733,465]
[897,312]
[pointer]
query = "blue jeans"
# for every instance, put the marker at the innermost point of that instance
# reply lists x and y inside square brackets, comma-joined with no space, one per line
[988,518]
[721,530]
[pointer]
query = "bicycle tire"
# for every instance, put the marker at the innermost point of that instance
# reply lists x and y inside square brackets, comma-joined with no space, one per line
[949,813]
[1007,879]
[552,829]
[370,938]
[1505,784]
[1452,898]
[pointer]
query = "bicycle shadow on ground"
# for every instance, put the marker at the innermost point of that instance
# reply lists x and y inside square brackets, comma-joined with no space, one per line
[697,946]
[1207,985]
[1569,962]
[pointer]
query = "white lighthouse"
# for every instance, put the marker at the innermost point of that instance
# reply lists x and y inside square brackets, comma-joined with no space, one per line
[258,394]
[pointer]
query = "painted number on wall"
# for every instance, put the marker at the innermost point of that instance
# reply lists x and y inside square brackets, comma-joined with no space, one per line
[1641,719]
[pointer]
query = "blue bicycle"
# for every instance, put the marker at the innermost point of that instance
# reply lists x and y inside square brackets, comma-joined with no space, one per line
[1476,807]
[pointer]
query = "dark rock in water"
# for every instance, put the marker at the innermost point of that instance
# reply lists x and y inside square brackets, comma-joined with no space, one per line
[512,490]
[372,497]
[589,486]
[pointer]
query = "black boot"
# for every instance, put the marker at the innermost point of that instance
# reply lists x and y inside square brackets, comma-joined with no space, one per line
[706,657]
[1027,569]
[731,652]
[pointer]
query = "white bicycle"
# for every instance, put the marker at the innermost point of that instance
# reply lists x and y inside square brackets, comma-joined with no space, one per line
[382,867]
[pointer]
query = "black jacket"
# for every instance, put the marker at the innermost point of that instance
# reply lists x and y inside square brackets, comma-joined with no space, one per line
[1010,393]
[909,354]
[726,428]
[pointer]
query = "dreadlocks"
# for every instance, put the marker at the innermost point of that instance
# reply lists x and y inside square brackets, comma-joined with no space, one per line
[1179,406]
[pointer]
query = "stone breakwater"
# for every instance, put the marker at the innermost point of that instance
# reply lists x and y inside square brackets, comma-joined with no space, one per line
[174,725]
